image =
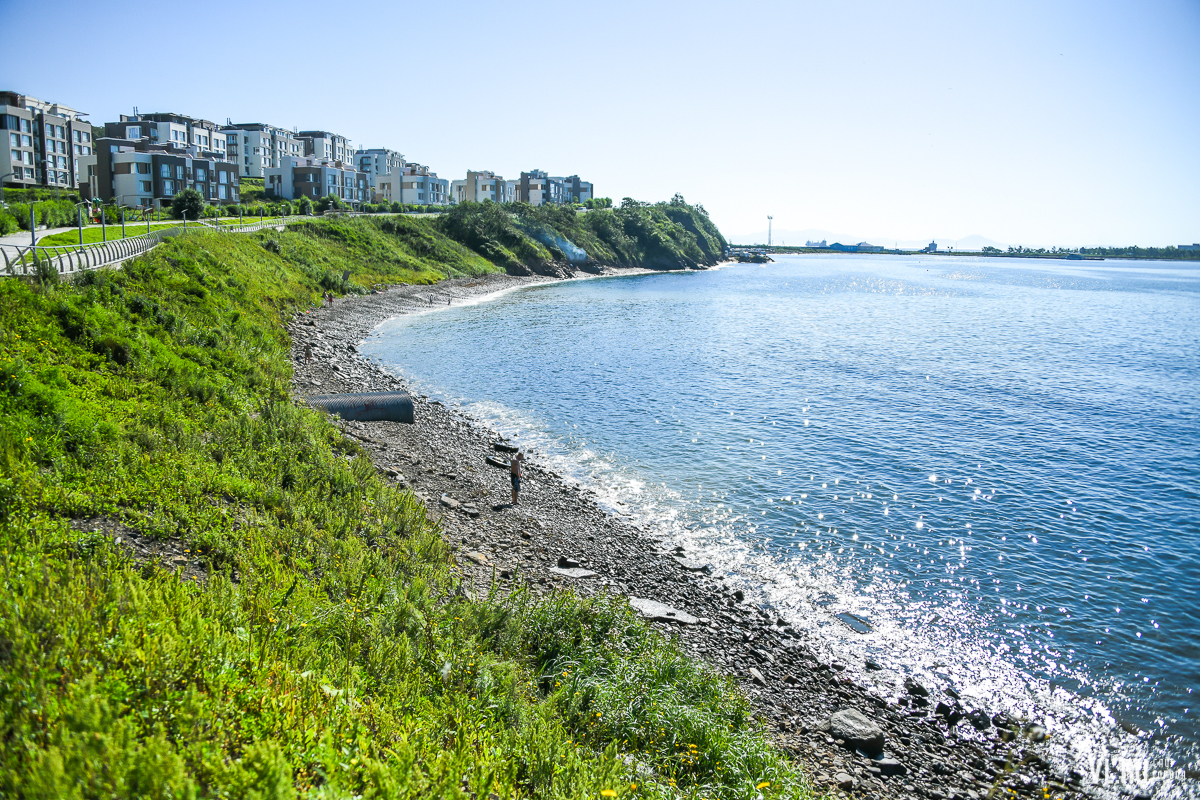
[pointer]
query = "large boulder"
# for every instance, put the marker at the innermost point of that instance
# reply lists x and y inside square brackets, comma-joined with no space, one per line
[857,730]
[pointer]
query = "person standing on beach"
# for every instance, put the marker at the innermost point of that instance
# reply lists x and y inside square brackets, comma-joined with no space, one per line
[514,470]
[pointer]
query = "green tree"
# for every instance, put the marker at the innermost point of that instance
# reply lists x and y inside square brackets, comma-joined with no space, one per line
[188,204]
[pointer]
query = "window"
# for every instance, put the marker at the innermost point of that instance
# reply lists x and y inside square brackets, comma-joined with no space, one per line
[75,135]
[60,132]
[16,156]
[165,170]
[143,168]
[78,150]
[200,174]
[179,172]
[168,188]
[87,151]
[28,158]
[26,141]
[222,176]
[14,139]
[62,162]
[221,190]
[26,127]
[87,137]
[145,186]
[133,132]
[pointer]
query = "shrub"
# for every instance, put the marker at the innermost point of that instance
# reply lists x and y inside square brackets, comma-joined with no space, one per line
[187,204]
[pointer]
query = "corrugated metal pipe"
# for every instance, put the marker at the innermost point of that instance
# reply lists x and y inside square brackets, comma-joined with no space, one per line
[368,406]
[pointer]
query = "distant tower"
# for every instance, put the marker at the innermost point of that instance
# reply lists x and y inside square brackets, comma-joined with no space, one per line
[769,218]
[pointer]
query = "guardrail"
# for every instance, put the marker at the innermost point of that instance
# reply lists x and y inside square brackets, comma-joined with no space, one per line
[24,260]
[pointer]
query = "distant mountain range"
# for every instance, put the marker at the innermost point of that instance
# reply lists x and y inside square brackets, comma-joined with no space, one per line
[798,238]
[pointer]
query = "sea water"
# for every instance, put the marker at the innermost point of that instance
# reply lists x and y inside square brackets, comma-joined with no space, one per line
[979,472]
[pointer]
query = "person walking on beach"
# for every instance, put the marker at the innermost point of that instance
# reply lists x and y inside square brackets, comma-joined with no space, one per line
[514,470]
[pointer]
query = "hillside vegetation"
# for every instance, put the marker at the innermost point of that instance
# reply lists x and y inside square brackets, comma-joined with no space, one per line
[209,592]
[523,238]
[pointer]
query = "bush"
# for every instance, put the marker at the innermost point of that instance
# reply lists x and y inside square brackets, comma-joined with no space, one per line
[8,223]
[330,202]
[187,204]
[304,206]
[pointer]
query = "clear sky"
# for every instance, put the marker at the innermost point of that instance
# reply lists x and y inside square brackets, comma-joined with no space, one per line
[1037,123]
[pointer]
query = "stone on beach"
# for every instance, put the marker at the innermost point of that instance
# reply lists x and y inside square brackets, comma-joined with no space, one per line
[654,610]
[857,730]
[574,572]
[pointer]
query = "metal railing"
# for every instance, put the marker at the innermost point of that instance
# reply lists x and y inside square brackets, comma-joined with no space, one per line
[25,260]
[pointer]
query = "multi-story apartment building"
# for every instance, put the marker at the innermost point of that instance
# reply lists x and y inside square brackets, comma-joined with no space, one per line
[537,187]
[171,129]
[323,144]
[415,184]
[42,142]
[143,173]
[315,178]
[575,190]
[256,147]
[483,185]
[379,162]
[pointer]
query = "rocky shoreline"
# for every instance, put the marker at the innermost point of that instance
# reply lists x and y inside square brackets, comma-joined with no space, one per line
[853,742]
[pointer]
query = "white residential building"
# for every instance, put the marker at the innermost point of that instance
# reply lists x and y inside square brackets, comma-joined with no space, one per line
[575,190]
[538,188]
[415,184]
[379,162]
[172,129]
[256,147]
[483,185]
[315,178]
[323,144]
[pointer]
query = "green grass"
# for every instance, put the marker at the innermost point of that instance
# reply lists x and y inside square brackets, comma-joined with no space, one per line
[327,653]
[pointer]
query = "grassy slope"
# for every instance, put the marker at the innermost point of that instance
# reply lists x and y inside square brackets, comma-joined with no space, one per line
[326,654]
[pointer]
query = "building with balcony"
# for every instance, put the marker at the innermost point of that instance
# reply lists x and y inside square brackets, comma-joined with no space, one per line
[483,185]
[575,190]
[414,184]
[42,142]
[538,188]
[326,145]
[146,174]
[379,162]
[175,130]
[256,147]
[315,178]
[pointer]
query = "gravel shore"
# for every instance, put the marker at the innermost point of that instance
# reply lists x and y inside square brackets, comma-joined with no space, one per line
[853,740]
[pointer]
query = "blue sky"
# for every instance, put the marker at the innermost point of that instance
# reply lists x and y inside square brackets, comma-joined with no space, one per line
[1046,123]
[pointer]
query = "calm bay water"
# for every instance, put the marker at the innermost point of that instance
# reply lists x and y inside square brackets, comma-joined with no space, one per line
[995,463]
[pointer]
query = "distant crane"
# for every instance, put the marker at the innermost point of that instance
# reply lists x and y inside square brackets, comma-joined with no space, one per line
[769,218]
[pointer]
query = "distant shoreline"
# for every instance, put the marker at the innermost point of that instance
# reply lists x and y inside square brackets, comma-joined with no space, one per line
[785,250]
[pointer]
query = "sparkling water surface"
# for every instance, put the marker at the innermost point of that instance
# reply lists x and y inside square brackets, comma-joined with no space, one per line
[993,463]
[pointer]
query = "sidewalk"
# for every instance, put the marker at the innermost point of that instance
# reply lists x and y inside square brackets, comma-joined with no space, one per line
[22,237]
